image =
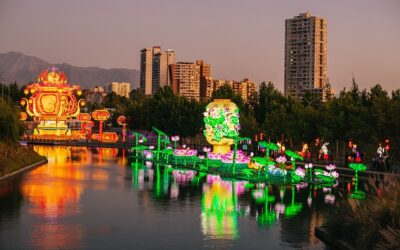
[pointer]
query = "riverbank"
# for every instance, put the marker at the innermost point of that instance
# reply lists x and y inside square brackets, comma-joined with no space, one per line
[15,158]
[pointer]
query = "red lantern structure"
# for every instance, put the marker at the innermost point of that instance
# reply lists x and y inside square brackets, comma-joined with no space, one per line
[52,101]
[122,121]
[101,115]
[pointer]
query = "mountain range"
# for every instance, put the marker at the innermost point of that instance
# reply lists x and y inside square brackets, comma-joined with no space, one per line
[20,68]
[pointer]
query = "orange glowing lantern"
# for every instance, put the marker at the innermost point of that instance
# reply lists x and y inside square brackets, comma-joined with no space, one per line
[101,115]
[23,116]
[52,102]
[108,137]
[121,120]
[84,117]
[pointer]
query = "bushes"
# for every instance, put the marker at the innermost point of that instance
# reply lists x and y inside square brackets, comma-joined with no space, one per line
[9,122]
[14,157]
[370,223]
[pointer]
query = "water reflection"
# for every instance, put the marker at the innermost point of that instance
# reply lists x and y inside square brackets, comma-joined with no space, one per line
[57,236]
[218,213]
[92,197]
[224,202]
[54,192]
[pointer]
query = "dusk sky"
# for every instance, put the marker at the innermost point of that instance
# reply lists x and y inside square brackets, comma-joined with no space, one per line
[238,38]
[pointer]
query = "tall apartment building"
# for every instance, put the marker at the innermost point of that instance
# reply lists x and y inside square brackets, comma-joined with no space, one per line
[206,80]
[161,69]
[186,79]
[119,88]
[146,68]
[305,55]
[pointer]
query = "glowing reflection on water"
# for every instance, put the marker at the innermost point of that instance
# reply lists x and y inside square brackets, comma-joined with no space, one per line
[87,197]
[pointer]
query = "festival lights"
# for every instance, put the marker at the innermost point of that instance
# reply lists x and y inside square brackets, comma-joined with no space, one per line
[221,121]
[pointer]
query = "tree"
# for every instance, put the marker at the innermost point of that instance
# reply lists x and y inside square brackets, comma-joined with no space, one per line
[9,122]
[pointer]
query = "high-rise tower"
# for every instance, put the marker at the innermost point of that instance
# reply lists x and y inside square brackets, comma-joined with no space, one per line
[161,69]
[146,68]
[306,56]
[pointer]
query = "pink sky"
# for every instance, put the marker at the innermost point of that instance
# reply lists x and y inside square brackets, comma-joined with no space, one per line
[238,38]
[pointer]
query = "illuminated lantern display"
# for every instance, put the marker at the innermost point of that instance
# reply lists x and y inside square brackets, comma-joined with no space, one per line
[51,101]
[106,137]
[100,115]
[23,116]
[84,117]
[221,120]
[122,121]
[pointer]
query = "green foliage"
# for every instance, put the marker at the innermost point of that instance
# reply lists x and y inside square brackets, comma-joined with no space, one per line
[368,117]
[373,222]
[10,127]
[11,92]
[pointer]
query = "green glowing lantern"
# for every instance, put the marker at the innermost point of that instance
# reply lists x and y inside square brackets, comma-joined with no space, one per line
[357,167]
[293,156]
[268,146]
[221,122]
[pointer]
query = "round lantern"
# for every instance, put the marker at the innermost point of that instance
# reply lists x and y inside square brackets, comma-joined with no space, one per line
[121,120]
[23,116]
[84,117]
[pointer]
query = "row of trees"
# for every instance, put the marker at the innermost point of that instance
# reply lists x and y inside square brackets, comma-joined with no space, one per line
[10,127]
[366,116]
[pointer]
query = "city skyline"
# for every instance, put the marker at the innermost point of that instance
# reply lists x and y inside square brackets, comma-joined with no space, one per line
[240,40]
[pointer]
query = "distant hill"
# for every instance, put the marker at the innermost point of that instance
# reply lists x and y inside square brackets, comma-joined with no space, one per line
[20,68]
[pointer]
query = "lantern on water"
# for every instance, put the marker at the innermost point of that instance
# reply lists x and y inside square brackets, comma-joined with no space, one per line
[109,137]
[221,121]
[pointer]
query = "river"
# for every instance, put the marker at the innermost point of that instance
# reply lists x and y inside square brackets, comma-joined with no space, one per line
[96,198]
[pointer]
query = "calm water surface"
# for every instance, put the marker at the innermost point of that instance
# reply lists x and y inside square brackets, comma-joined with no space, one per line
[95,198]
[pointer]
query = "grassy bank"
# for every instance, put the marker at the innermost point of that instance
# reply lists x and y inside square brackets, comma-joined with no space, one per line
[373,223]
[14,157]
